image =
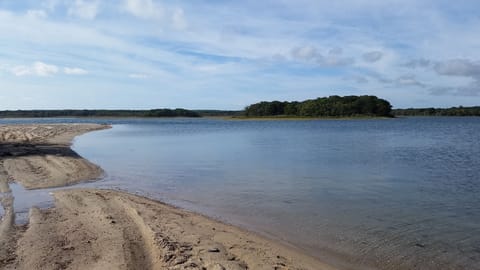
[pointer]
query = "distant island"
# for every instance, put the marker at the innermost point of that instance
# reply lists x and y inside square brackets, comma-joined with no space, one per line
[332,106]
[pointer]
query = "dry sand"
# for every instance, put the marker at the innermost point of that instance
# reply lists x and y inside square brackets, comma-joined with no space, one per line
[102,229]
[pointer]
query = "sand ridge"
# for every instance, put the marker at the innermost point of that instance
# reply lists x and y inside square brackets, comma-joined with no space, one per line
[39,156]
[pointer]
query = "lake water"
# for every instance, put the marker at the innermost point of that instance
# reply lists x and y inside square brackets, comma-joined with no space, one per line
[387,194]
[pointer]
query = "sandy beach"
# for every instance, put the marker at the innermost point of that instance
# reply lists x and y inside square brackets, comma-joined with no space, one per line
[105,229]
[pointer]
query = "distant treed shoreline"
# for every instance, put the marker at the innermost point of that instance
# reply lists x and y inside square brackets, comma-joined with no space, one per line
[99,113]
[326,107]
[453,111]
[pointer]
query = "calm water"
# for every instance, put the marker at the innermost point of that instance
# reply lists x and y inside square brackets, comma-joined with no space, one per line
[392,194]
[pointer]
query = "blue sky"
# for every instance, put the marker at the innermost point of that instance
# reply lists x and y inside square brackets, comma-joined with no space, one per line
[143,54]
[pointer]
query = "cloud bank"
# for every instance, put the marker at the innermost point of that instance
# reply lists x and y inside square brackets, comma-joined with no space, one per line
[227,54]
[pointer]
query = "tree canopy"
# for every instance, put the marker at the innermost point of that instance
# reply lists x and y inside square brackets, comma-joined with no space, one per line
[332,106]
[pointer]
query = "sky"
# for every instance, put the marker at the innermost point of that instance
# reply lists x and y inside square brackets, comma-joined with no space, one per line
[226,54]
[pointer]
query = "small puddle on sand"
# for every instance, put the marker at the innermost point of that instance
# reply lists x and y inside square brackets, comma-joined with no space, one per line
[16,202]
[25,199]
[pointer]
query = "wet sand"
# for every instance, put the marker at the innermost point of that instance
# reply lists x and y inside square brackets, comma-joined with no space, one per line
[104,229]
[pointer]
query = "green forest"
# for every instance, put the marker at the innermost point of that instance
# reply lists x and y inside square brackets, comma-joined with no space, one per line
[332,106]
[99,113]
[453,111]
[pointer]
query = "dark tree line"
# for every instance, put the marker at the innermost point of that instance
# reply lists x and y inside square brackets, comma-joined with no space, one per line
[100,113]
[453,111]
[218,113]
[333,106]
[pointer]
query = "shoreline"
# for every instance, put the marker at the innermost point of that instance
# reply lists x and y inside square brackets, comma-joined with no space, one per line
[106,229]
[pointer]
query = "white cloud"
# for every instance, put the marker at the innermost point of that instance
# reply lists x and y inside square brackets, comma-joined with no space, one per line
[138,76]
[84,9]
[21,70]
[178,19]
[36,14]
[74,71]
[36,69]
[145,9]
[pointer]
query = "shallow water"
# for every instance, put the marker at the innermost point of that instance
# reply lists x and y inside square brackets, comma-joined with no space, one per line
[394,194]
